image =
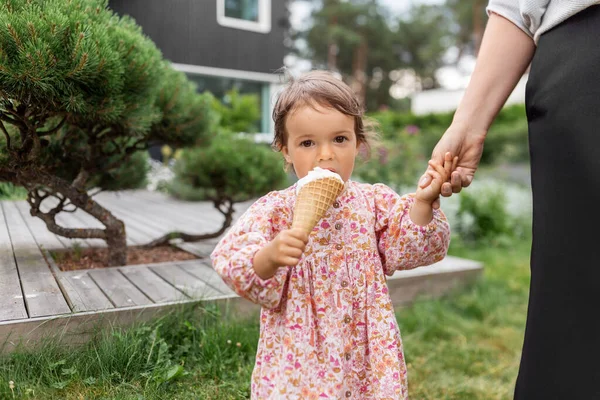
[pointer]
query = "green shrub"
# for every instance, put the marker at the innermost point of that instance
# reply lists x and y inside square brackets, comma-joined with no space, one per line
[489,215]
[231,167]
[238,112]
[8,191]
[506,141]
[129,175]
[483,218]
[183,190]
[394,163]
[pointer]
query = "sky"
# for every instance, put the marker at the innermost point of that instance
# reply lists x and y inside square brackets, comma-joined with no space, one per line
[300,10]
[399,6]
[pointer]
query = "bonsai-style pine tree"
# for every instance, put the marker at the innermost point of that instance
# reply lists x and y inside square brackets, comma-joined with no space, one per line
[81,91]
[231,169]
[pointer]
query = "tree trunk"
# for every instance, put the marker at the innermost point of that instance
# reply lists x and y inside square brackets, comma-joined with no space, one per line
[116,240]
[187,237]
[114,234]
[332,48]
[478,25]
[359,71]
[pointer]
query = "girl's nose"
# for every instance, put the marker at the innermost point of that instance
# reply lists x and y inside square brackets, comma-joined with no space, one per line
[326,153]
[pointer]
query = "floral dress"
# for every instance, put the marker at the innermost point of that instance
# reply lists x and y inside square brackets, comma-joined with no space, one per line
[328,329]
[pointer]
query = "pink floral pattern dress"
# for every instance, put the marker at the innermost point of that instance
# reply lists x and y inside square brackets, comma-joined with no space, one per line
[328,329]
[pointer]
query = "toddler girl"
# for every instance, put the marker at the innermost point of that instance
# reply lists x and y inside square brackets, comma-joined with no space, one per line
[328,328]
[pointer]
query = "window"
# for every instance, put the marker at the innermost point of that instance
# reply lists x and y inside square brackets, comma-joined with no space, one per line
[251,15]
[219,86]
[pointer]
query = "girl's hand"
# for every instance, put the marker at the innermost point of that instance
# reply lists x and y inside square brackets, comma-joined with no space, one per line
[285,250]
[438,174]
[287,247]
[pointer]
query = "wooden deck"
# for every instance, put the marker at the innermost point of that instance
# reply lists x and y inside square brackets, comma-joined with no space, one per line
[37,299]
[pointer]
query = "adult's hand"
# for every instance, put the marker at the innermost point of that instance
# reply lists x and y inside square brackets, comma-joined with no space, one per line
[465,144]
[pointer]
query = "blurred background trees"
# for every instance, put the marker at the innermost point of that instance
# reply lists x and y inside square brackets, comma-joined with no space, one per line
[374,49]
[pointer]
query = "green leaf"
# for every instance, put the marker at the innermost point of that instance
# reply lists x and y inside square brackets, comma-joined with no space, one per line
[57,364]
[69,371]
[60,385]
[89,380]
[174,372]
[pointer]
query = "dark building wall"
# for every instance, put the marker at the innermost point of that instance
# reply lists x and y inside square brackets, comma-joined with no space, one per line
[187,32]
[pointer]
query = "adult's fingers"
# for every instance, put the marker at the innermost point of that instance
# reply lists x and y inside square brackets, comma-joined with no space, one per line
[466,180]
[456,182]
[446,189]
[436,203]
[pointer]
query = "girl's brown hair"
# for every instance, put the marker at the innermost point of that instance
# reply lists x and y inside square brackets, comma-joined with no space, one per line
[323,88]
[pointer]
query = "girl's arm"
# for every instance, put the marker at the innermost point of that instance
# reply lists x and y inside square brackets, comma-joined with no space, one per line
[233,257]
[403,244]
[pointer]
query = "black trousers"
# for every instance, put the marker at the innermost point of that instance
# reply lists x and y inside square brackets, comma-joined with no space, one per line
[561,352]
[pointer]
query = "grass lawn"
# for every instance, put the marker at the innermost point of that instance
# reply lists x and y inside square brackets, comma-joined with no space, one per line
[465,346]
[468,345]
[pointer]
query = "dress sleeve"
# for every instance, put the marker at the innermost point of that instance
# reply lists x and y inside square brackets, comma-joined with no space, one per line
[403,244]
[527,15]
[233,256]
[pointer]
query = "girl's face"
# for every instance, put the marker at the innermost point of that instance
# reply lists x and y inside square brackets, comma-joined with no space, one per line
[322,137]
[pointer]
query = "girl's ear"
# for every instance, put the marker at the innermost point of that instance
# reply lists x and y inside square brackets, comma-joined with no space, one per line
[286,154]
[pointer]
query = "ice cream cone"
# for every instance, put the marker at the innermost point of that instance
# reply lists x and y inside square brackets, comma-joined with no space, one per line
[313,201]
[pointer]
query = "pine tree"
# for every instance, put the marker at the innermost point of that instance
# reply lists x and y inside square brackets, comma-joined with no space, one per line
[82,90]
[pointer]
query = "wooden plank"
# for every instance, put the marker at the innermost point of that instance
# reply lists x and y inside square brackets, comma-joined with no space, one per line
[201,249]
[200,212]
[140,225]
[42,294]
[207,274]
[38,228]
[136,219]
[168,216]
[152,285]
[82,292]
[172,214]
[187,283]
[79,328]
[12,304]
[202,208]
[118,288]
[156,220]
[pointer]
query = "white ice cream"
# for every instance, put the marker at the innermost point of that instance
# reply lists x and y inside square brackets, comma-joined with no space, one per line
[316,173]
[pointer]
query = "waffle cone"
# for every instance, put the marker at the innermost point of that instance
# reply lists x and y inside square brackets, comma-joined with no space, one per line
[314,200]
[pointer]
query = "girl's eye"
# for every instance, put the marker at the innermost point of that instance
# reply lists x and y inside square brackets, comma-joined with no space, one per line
[340,139]
[306,143]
